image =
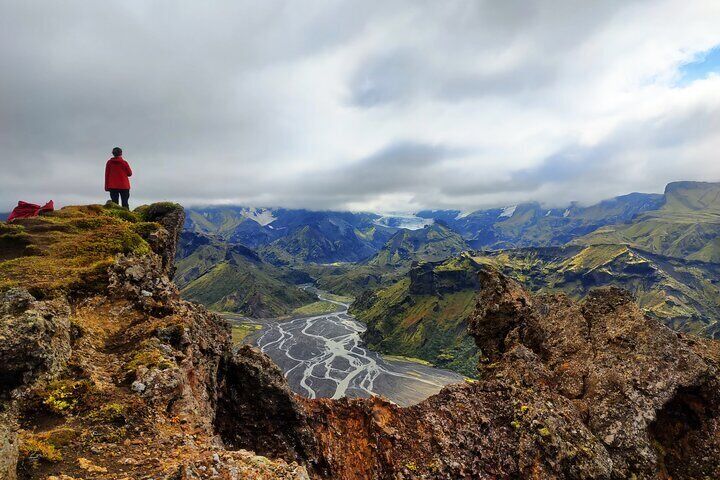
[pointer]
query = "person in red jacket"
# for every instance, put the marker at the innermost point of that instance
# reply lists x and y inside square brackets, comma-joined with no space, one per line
[117,182]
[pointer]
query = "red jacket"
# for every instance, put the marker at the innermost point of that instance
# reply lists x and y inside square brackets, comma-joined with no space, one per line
[117,172]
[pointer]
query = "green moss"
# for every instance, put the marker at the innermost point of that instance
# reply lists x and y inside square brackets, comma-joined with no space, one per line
[10,228]
[15,242]
[111,413]
[123,214]
[145,229]
[63,396]
[33,449]
[61,437]
[149,356]
[68,248]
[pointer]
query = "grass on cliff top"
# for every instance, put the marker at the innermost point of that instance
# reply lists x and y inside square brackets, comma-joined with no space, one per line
[69,248]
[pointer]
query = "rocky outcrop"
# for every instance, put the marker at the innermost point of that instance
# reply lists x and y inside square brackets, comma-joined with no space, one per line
[34,339]
[34,347]
[257,411]
[121,379]
[567,390]
[126,380]
[430,278]
[164,241]
[626,374]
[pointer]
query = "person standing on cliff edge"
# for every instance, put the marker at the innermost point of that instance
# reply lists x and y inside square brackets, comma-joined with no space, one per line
[117,181]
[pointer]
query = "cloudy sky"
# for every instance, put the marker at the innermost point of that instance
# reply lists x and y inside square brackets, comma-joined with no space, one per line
[364,105]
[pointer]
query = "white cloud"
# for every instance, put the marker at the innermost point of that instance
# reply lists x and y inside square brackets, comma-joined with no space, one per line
[319,104]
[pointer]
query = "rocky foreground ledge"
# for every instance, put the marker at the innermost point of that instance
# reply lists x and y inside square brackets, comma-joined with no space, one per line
[106,373]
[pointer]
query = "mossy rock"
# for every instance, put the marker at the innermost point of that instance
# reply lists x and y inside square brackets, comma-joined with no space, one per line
[61,437]
[115,210]
[34,449]
[64,397]
[69,249]
[149,356]
[145,229]
[111,413]
[151,213]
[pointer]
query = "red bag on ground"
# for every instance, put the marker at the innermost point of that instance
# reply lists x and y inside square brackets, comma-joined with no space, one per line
[27,210]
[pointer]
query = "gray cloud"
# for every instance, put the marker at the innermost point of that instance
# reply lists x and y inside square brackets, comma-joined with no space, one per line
[377,104]
[589,173]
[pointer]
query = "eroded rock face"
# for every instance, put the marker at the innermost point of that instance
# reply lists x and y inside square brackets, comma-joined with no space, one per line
[122,380]
[164,242]
[623,371]
[257,411]
[34,347]
[567,390]
[144,280]
[34,338]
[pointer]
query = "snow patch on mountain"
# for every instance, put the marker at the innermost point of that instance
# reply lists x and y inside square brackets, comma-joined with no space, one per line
[263,216]
[508,211]
[403,220]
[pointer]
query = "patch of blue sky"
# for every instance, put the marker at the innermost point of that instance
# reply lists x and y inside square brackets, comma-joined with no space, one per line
[704,64]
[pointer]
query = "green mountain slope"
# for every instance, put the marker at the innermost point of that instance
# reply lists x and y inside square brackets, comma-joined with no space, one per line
[327,242]
[232,288]
[684,295]
[686,226]
[233,278]
[431,243]
[424,314]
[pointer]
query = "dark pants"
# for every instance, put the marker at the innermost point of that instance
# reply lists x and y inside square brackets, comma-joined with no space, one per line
[124,195]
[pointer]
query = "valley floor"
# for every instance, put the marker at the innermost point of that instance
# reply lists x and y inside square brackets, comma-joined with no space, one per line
[323,356]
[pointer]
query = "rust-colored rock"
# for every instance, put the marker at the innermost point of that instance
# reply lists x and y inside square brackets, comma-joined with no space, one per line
[126,380]
[567,390]
[121,379]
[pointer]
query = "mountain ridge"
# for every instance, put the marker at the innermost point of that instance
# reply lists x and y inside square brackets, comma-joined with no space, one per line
[687,225]
[233,278]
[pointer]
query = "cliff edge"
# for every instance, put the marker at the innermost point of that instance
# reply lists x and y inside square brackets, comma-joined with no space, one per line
[105,373]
